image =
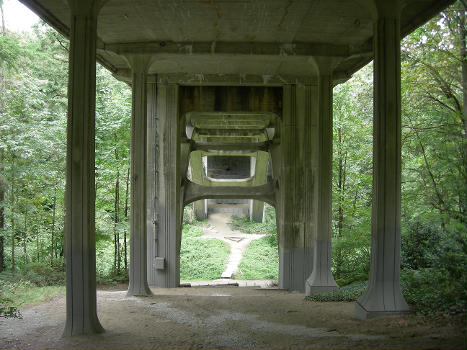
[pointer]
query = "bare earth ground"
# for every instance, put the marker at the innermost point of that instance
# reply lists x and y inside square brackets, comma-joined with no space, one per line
[226,318]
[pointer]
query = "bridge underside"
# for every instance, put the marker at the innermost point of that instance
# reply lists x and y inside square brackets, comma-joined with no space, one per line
[233,78]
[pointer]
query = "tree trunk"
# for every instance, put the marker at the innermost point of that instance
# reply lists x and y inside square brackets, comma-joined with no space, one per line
[2,214]
[52,235]
[463,56]
[2,184]
[117,259]
[25,236]
[126,217]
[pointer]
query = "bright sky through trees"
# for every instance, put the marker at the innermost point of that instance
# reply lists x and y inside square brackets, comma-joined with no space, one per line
[18,18]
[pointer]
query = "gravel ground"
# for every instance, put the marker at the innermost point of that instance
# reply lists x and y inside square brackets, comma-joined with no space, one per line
[226,318]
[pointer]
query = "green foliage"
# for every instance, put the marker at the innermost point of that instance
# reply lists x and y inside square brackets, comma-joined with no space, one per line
[7,309]
[268,226]
[33,284]
[191,231]
[433,291]
[201,259]
[260,260]
[350,292]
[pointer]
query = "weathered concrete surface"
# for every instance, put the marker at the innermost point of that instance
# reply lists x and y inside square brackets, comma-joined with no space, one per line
[383,295]
[80,235]
[226,318]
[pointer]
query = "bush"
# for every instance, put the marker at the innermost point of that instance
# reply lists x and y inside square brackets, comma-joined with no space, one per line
[433,291]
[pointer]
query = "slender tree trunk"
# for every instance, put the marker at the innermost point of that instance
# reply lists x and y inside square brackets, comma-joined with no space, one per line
[117,220]
[463,56]
[2,214]
[13,246]
[126,217]
[2,184]
[340,208]
[12,204]
[52,235]
[25,236]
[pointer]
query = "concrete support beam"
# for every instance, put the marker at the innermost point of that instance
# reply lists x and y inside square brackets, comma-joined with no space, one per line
[230,146]
[260,170]
[238,48]
[197,175]
[170,199]
[80,238]
[383,295]
[138,178]
[195,192]
[295,206]
[151,219]
[321,279]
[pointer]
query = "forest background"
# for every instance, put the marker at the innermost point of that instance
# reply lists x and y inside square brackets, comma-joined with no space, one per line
[33,108]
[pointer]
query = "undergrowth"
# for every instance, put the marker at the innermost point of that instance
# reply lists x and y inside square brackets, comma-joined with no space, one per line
[260,260]
[201,259]
[34,283]
[429,292]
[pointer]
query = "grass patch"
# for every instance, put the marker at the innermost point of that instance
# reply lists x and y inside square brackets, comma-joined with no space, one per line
[268,226]
[260,260]
[201,259]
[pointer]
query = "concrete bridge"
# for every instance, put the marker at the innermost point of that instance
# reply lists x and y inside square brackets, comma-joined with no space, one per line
[251,77]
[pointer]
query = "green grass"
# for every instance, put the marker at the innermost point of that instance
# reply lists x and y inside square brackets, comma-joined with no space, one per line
[201,259]
[260,260]
[244,224]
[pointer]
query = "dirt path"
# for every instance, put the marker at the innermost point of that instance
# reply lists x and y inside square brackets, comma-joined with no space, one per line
[238,241]
[226,318]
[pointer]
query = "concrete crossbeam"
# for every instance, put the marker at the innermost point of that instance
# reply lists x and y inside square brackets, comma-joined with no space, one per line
[265,193]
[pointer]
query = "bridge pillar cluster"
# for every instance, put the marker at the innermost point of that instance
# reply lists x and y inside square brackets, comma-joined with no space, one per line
[280,122]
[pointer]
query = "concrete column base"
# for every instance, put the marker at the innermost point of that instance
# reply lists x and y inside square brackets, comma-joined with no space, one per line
[294,267]
[199,208]
[311,289]
[363,314]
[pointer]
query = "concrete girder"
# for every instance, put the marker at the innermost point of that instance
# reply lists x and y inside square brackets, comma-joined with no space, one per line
[306,49]
[265,193]
[230,146]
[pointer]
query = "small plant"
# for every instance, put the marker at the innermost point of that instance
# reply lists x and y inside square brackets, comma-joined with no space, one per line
[8,310]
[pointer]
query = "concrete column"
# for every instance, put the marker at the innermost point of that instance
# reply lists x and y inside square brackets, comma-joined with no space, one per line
[197,174]
[151,218]
[294,211]
[138,176]
[169,201]
[321,279]
[383,295]
[80,238]
[260,170]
